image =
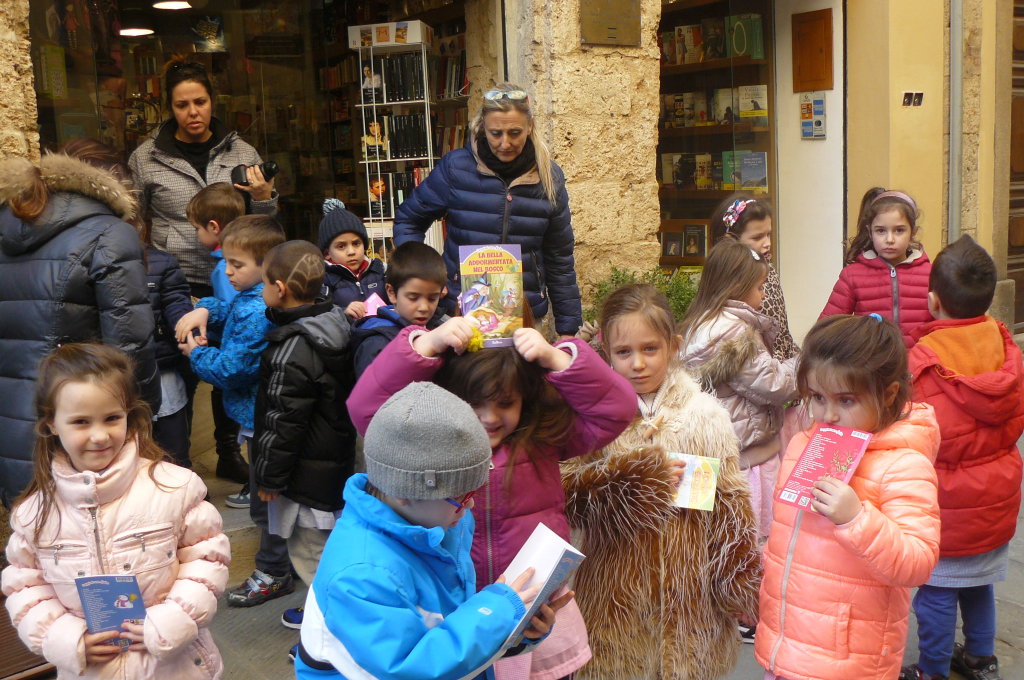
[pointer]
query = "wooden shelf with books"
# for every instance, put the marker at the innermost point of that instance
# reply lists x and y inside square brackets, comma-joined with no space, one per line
[710,65]
[723,129]
[716,132]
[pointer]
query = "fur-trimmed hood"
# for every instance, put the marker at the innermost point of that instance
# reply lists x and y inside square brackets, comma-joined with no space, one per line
[62,173]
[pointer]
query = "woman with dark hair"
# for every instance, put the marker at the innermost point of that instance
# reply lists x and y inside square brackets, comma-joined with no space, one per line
[71,270]
[503,187]
[189,151]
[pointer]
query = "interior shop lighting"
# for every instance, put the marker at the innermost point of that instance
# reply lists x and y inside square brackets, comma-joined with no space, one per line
[135,19]
[171,4]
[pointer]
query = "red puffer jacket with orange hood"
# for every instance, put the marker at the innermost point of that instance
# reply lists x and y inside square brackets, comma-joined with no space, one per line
[971,372]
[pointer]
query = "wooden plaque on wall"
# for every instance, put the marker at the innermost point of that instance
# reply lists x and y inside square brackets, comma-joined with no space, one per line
[812,50]
[610,22]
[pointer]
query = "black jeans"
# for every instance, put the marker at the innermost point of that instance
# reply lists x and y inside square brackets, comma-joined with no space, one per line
[272,555]
[171,433]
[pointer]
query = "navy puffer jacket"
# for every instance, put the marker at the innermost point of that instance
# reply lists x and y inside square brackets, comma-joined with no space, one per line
[170,298]
[480,209]
[74,274]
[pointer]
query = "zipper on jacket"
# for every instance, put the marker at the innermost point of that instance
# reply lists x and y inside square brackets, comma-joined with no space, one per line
[56,550]
[487,527]
[785,587]
[895,294]
[508,212]
[96,537]
[142,540]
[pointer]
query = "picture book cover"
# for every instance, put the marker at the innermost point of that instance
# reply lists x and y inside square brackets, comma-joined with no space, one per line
[689,44]
[699,483]
[731,161]
[492,290]
[723,109]
[702,177]
[553,561]
[379,194]
[753,104]
[744,36]
[833,451]
[686,171]
[109,600]
[754,171]
[669,164]
[712,33]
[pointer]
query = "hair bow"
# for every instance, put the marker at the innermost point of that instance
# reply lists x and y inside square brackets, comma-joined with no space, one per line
[733,212]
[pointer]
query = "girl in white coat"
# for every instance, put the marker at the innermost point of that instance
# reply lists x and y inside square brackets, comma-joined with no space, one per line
[102,502]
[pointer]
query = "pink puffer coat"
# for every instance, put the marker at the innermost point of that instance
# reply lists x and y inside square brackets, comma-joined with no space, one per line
[120,522]
[872,285]
[729,355]
[835,599]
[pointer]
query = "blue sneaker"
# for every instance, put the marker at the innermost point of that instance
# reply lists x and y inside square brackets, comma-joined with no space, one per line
[292,653]
[239,500]
[292,618]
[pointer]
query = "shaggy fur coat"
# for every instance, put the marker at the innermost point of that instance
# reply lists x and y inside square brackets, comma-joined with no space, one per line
[660,584]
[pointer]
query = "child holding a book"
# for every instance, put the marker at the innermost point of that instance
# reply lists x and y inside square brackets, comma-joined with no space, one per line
[102,501]
[725,346]
[747,218]
[886,269]
[395,595]
[350,279]
[657,622]
[967,366]
[835,596]
[540,405]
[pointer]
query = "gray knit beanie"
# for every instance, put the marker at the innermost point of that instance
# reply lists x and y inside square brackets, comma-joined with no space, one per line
[425,443]
[337,221]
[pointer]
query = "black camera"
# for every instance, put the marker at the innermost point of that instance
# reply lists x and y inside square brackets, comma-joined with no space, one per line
[238,176]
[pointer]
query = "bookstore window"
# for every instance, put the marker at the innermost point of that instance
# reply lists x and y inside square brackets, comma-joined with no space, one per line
[717,129]
[286,81]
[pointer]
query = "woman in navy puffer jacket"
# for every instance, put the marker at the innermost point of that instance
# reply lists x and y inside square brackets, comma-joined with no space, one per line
[503,187]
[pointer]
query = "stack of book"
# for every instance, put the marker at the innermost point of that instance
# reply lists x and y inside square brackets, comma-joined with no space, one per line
[728,170]
[739,35]
[721,106]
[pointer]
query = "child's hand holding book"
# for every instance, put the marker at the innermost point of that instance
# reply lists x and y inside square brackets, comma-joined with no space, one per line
[541,624]
[454,333]
[836,500]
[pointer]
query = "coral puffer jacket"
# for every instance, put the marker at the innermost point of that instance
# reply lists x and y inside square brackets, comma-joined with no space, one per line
[835,599]
[119,521]
[872,285]
[970,371]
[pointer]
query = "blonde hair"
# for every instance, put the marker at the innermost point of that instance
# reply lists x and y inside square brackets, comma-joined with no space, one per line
[544,168]
[730,272]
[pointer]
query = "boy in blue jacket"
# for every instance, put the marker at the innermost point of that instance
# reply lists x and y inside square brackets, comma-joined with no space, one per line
[351,279]
[395,595]
[235,368]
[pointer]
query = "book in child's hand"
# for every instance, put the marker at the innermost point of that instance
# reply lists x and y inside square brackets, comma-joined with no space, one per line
[373,303]
[553,561]
[109,600]
[833,451]
[699,483]
[492,290]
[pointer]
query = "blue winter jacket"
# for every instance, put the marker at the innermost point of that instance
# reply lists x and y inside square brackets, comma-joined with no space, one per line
[480,209]
[396,600]
[235,365]
[342,286]
[222,288]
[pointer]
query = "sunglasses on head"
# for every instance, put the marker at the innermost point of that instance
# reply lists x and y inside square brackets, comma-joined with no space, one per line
[461,504]
[497,95]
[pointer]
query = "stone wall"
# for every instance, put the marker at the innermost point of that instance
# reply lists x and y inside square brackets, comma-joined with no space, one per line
[18,131]
[597,108]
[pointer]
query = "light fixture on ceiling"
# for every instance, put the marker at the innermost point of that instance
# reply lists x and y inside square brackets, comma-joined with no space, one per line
[135,20]
[171,4]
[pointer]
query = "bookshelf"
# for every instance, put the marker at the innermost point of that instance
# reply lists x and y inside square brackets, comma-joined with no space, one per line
[397,143]
[716,128]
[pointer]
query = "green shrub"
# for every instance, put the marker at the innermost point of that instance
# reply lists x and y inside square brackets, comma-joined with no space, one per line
[679,288]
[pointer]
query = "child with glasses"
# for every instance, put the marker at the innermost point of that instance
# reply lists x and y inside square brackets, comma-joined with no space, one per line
[395,595]
[726,340]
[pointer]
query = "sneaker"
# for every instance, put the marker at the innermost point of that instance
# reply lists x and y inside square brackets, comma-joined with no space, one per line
[239,500]
[912,672]
[259,588]
[975,667]
[292,618]
[747,633]
[293,652]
